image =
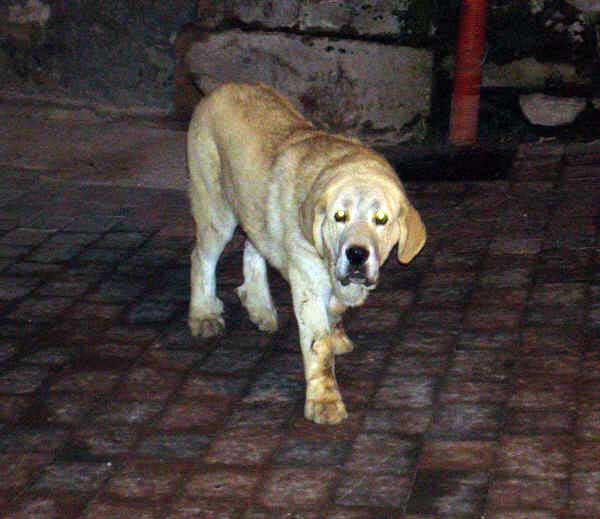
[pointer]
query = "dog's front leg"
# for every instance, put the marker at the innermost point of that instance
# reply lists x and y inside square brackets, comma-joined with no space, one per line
[324,403]
[341,342]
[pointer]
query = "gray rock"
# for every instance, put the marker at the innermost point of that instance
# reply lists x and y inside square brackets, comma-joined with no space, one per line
[378,92]
[547,110]
[528,73]
[378,17]
[362,17]
[587,6]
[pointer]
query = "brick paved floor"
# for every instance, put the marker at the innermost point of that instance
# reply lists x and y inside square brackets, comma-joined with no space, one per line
[474,391]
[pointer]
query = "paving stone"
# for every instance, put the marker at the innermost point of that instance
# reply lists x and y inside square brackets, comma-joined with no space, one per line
[402,421]
[416,365]
[66,408]
[381,453]
[144,480]
[517,278]
[534,494]
[484,340]
[296,487]
[103,442]
[149,384]
[587,456]
[192,414]
[585,494]
[466,456]
[447,494]
[244,446]
[542,393]
[128,412]
[93,311]
[381,490]
[199,385]
[476,421]
[17,469]
[222,484]
[73,477]
[105,510]
[50,357]
[87,381]
[121,240]
[151,312]
[175,446]
[42,310]
[129,334]
[588,422]
[405,392]
[489,318]
[176,360]
[319,453]
[534,456]
[15,288]
[187,508]
[113,351]
[23,380]
[7,351]
[526,421]
[426,341]
[36,508]
[230,360]
[116,290]
[12,407]
[488,365]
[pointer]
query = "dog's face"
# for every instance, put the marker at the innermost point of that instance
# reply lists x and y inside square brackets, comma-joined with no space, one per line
[356,221]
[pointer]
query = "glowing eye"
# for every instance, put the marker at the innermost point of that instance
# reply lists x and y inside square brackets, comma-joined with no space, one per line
[381,217]
[340,215]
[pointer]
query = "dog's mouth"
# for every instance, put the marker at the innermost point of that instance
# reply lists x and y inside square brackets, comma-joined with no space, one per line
[357,278]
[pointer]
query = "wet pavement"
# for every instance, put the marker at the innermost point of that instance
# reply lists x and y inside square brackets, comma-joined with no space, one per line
[474,390]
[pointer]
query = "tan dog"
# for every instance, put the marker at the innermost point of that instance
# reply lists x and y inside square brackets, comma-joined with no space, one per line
[324,210]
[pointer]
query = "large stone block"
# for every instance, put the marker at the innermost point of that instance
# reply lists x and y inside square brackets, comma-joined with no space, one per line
[379,92]
[401,19]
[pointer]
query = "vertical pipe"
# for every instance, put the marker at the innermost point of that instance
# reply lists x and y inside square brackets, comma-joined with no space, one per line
[467,78]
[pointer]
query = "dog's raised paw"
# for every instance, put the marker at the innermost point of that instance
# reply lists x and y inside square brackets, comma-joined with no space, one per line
[325,412]
[266,323]
[342,345]
[207,327]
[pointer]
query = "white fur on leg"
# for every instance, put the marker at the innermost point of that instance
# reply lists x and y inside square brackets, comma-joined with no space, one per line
[254,292]
[206,309]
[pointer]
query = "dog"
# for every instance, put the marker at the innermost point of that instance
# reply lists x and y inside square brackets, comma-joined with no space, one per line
[322,209]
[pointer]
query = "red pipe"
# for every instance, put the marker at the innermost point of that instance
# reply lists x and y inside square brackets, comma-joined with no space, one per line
[467,78]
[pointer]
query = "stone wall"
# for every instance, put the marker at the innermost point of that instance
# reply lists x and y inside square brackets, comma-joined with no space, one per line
[358,67]
[381,69]
[110,52]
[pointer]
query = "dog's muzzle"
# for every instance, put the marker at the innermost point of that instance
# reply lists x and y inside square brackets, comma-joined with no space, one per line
[357,267]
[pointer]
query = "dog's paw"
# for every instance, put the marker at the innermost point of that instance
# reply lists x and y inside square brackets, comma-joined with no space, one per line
[325,411]
[340,341]
[266,323]
[207,327]
[262,314]
[342,345]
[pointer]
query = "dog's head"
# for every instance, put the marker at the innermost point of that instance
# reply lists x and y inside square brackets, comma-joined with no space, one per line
[354,215]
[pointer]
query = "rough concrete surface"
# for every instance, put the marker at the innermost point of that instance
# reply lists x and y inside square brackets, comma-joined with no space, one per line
[79,145]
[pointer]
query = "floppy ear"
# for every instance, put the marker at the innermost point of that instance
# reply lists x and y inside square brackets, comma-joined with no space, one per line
[312,214]
[413,237]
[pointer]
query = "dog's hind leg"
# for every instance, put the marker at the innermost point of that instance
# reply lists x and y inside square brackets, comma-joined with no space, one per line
[254,292]
[206,309]
[215,224]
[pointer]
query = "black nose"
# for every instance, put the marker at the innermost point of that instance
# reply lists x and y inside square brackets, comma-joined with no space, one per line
[357,255]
